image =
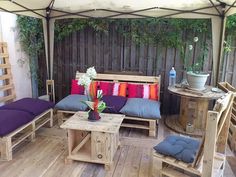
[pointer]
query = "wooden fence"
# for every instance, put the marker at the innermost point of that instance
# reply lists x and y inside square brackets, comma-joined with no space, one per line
[228,66]
[113,52]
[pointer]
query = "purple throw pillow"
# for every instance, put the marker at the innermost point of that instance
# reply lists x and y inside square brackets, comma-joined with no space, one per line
[31,105]
[114,103]
[10,120]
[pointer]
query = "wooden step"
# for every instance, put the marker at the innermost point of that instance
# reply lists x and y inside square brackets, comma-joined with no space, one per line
[5,76]
[134,126]
[4,66]
[172,172]
[4,55]
[7,98]
[233,117]
[3,44]
[6,87]
[234,109]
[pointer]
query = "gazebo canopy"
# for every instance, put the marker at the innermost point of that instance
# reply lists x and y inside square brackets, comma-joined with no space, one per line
[118,8]
[50,10]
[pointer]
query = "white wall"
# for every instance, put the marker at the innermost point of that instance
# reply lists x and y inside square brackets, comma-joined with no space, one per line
[18,60]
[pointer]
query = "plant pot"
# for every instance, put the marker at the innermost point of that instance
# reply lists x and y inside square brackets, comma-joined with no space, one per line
[196,81]
[93,115]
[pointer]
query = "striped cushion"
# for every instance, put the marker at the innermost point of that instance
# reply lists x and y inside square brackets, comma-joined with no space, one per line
[148,91]
[113,88]
[120,89]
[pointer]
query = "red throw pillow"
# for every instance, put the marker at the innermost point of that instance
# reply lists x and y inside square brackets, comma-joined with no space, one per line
[135,90]
[75,88]
[106,87]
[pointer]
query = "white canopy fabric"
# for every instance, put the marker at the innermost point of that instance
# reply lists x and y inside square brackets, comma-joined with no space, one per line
[50,10]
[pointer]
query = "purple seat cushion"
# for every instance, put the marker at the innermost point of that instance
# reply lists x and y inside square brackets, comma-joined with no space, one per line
[10,120]
[30,105]
[114,103]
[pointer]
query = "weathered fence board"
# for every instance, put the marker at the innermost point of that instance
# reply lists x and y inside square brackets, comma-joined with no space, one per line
[115,52]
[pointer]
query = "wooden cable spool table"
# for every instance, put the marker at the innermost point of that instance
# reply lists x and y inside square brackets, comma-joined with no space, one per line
[193,109]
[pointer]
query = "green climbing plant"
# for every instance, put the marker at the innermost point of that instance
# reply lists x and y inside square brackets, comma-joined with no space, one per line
[31,38]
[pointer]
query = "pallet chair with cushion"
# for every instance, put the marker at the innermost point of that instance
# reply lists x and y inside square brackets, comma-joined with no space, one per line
[209,158]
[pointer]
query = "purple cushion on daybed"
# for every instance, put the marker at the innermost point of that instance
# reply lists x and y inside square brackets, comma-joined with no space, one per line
[30,105]
[10,120]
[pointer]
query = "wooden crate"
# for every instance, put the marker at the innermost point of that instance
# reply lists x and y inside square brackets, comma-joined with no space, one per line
[232,129]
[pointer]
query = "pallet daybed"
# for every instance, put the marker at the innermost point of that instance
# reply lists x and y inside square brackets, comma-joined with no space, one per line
[132,122]
[18,121]
[28,130]
[210,158]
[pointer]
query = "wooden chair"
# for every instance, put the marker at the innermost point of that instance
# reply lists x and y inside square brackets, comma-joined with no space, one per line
[210,159]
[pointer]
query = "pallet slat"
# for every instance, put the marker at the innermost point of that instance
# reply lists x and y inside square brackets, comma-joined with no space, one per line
[6,87]
[4,55]
[5,76]
[172,172]
[7,98]
[134,126]
[3,66]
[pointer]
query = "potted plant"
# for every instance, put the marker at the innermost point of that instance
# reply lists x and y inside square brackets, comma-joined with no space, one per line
[195,77]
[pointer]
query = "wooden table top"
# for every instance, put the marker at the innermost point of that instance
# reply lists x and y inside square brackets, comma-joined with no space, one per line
[109,123]
[207,93]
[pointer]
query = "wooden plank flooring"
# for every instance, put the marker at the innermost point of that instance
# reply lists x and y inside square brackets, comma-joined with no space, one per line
[45,157]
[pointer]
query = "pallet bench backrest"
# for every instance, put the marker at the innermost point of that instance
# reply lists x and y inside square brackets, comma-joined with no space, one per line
[127,78]
[215,139]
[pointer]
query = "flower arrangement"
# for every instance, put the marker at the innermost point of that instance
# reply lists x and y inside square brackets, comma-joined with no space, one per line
[94,102]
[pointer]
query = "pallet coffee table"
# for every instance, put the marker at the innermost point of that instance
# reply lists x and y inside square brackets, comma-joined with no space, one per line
[94,142]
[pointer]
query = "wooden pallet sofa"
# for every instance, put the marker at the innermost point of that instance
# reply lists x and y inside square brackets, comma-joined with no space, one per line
[179,156]
[19,121]
[146,123]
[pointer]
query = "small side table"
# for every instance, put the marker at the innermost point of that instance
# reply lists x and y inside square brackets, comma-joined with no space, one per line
[94,142]
[194,105]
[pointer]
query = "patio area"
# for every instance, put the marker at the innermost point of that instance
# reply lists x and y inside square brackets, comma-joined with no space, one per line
[109,88]
[46,157]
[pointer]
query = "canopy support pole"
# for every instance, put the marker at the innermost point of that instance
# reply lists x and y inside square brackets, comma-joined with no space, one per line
[46,44]
[51,25]
[48,28]
[218,35]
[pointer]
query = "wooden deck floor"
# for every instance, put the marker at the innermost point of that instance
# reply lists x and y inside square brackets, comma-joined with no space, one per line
[45,157]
